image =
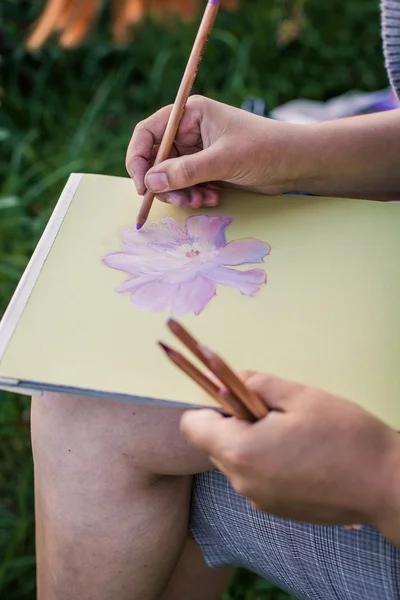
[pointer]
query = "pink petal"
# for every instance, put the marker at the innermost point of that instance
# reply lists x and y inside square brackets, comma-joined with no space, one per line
[179,300]
[121,261]
[192,297]
[166,231]
[147,274]
[133,283]
[243,252]
[153,296]
[245,282]
[208,229]
[138,249]
[147,262]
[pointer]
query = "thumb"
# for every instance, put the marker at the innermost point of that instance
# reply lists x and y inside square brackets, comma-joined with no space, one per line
[212,433]
[185,171]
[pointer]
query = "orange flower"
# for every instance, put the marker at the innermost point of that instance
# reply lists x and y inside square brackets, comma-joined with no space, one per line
[72,19]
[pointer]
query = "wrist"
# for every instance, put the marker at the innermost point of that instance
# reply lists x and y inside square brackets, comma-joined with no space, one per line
[288,152]
[310,168]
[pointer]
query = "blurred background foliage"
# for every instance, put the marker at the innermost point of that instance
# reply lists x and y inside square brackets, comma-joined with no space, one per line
[65,111]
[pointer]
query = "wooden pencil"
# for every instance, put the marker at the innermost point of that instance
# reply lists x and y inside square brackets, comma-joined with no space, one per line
[226,400]
[221,370]
[229,378]
[185,88]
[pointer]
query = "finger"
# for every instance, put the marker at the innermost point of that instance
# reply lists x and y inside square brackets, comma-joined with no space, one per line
[179,198]
[195,197]
[209,431]
[203,196]
[186,171]
[138,169]
[146,135]
[211,198]
[277,393]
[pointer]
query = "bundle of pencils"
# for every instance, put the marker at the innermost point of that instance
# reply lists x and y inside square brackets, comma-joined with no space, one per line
[73,19]
[235,397]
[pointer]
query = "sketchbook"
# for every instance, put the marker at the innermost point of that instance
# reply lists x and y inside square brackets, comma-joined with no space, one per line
[307,288]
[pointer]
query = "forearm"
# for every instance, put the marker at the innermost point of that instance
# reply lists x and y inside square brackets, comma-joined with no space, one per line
[357,157]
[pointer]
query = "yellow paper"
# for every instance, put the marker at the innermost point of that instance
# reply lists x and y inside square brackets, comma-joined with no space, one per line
[328,316]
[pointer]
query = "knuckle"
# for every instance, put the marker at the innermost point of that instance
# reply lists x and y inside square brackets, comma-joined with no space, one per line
[255,380]
[187,172]
[140,126]
[197,100]
[258,380]
[148,123]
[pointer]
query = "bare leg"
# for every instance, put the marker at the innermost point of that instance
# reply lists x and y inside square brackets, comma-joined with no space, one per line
[193,580]
[112,483]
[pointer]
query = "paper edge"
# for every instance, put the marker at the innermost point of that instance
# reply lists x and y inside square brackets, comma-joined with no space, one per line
[28,280]
[32,388]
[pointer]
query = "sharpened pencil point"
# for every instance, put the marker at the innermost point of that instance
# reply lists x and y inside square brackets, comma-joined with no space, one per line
[164,347]
[139,226]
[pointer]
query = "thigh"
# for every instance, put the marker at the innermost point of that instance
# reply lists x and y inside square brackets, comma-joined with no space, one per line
[310,562]
[92,455]
[112,490]
[102,438]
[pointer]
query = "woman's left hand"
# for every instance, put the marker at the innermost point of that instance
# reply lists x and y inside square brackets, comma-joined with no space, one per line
[315,457]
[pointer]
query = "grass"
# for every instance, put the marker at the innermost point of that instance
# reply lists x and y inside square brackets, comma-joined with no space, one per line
[74,111]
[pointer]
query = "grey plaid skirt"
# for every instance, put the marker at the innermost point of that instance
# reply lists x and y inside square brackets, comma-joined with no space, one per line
[310,562]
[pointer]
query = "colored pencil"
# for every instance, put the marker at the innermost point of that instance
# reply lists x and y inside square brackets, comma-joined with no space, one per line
[224,398]
[218,366]
[178,109]
[237,392]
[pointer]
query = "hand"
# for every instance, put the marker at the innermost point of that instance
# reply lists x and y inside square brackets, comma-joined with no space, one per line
[315,458]
[215,144]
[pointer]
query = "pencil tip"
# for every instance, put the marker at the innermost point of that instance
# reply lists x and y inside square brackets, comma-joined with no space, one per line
[139,226]
[164,347]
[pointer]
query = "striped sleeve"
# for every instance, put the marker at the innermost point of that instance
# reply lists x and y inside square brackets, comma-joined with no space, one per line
[391,40]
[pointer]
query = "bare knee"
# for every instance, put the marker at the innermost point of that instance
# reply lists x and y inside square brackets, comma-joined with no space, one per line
[112,435]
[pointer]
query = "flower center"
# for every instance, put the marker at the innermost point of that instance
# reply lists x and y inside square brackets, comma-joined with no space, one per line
[192,253]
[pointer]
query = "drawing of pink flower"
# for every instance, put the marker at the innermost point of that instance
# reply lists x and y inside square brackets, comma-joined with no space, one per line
[177,270]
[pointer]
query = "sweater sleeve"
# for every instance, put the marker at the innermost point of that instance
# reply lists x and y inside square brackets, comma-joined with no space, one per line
[391,40]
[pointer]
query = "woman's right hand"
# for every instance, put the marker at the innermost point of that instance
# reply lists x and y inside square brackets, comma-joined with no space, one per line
[315,457]
[218,146]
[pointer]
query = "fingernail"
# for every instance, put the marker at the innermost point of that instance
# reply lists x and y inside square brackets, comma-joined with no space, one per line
[135,183]
[157,182]
[131,172]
